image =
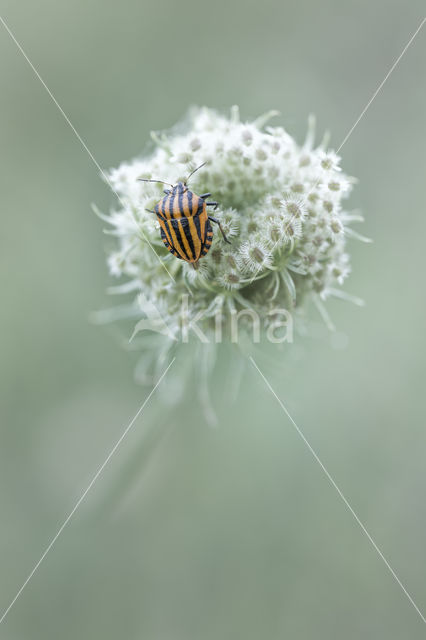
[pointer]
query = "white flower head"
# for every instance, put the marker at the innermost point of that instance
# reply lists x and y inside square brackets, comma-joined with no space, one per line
[254,254]
[280,204]
[229,279]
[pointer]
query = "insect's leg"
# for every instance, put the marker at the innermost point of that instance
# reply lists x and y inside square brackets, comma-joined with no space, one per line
[220,227]
[212,204]
[167,191]
[150,210]
[205,195]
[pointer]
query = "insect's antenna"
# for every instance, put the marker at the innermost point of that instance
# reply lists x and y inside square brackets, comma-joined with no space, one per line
[160,181]
[192,172]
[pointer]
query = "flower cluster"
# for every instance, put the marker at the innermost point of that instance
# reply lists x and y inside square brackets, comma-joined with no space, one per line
[280,204]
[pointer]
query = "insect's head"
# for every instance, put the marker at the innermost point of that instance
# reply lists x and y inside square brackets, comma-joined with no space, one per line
[180,186]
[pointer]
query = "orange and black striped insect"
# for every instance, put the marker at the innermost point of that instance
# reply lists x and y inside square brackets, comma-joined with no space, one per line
[185,223]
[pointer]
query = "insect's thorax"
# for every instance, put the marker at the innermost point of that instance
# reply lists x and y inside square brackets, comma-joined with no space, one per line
[180,203]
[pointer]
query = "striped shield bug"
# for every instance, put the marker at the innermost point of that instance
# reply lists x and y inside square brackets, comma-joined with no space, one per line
[185,223]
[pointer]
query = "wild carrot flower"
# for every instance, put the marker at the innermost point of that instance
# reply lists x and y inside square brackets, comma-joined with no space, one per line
[281,205]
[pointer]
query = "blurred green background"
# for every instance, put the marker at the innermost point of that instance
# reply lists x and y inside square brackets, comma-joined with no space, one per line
[193,532]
